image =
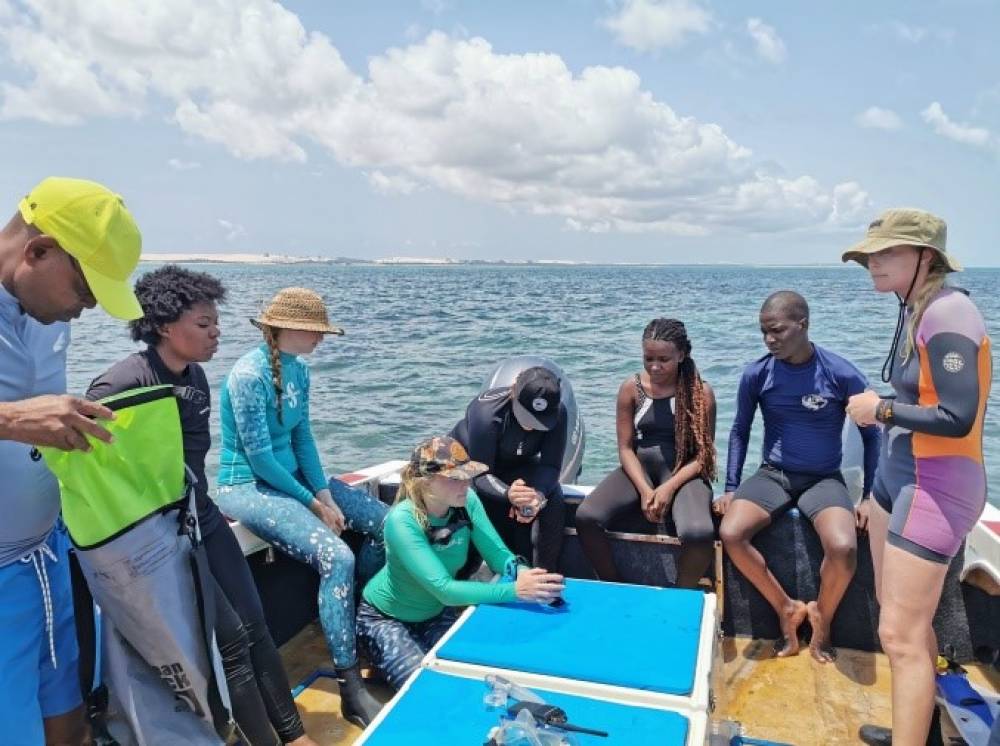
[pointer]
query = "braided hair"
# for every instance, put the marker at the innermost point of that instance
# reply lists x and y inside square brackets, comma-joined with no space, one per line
[271,338]
[692,434]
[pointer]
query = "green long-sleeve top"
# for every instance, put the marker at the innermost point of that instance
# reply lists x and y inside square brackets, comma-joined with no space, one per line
[418,579]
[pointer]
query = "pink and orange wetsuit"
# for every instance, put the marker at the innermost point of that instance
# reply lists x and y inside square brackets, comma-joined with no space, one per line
[931,477]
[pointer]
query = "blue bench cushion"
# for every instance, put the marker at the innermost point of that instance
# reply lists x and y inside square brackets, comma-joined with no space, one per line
[629,636]
[442,709]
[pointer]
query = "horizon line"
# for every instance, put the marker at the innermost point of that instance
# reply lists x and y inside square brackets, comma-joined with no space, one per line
[267,258]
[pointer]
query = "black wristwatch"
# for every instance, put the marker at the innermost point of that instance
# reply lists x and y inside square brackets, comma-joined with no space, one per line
[883,412]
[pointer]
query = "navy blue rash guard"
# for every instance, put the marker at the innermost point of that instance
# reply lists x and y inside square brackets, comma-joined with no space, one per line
[803,407]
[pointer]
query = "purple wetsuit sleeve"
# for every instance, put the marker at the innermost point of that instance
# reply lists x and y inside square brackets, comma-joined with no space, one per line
[950,336]
[957,390]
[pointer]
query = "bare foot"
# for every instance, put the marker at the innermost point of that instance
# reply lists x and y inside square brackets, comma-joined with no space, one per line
[791,618]
[819,645]
[303,740]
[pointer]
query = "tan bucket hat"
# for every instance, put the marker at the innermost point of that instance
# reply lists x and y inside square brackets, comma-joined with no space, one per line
[297,308]
[904,227]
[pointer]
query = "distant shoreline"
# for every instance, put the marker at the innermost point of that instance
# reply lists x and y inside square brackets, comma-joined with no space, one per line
[271,259]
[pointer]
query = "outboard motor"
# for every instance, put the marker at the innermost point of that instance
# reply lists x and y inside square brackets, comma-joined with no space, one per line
[504,374]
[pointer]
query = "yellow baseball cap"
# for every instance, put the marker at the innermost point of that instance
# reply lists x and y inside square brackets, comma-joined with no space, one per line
[92,224]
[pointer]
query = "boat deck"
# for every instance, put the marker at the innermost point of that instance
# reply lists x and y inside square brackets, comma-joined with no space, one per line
[798,701]
[319,704]
[790,700]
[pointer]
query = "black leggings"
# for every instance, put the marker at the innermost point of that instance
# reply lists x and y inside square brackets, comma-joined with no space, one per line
[258,686]
[541,540]
[691,512]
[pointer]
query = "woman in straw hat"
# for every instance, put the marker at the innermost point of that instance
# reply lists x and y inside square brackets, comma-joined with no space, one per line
[272,481]
[931,485]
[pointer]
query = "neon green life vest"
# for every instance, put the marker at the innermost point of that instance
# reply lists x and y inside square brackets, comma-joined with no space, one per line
[111,488]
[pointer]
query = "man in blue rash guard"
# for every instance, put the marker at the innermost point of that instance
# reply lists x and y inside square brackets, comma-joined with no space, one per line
[802,390]
[71,245]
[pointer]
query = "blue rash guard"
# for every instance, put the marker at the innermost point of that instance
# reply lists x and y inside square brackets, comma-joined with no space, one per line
[804,409]
[32,363]
[255,445]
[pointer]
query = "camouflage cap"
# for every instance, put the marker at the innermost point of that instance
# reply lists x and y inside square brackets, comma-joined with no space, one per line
[904,227]
[445,456]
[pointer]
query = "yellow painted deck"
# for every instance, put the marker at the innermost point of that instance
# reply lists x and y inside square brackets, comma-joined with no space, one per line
[799,701]
[790,700]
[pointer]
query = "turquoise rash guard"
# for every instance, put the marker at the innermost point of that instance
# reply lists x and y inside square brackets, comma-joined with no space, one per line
[255,445]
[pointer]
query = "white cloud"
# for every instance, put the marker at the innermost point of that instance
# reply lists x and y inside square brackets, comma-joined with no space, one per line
[979,137]
[233,230]
[437,7]
[104,58]
[520,131]
[391,183]
[648,25]
[875,117]
[178,165]
[919,34]
[912,34]
[766,40]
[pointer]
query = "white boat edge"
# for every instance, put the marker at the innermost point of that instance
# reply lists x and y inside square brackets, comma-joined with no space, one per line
[982,547]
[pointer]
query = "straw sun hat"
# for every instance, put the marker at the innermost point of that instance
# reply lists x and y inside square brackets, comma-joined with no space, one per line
[297,308]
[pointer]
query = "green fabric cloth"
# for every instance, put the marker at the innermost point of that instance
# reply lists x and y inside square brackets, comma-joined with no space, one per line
[109,489]
[418,579]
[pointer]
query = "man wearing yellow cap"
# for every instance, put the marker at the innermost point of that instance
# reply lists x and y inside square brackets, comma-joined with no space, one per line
[71,245]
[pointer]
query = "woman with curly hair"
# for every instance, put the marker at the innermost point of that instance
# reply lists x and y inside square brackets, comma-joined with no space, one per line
[271,478]
[180,328]
[665,420]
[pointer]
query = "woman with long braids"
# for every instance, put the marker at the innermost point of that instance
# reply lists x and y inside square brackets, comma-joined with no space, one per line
[665,422]
[931,485]
[272,481]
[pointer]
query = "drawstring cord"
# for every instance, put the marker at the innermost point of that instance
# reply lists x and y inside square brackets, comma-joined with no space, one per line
[890,361]
[37,558]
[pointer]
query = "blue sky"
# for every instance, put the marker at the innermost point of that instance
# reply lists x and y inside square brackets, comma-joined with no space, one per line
[593,130]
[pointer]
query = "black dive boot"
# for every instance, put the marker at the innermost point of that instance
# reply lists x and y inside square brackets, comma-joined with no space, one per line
[357,705]
[876,735]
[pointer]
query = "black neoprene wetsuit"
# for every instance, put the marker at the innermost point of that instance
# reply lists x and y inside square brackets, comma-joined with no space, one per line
[492,435]
[258,686]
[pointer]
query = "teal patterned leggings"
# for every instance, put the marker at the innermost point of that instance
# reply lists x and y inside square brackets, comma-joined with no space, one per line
[292,528]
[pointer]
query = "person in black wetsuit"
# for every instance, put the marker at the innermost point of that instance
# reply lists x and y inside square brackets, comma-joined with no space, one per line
[666,445]
[180,329]
[519,432]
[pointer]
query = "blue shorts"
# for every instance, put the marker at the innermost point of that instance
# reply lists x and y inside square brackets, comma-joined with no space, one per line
[31,688]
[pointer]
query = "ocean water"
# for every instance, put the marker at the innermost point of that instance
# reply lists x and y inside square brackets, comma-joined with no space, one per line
[421,339]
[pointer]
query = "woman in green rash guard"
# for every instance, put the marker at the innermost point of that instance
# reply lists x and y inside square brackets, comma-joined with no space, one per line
[407,605]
